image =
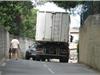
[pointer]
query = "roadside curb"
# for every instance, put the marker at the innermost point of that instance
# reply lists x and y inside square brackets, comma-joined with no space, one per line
[0,72]
[2,61]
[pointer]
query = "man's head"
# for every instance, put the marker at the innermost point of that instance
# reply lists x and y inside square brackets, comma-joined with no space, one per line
[15,37]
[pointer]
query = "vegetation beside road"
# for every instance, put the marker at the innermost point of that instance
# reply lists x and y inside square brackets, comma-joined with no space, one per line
[18,17]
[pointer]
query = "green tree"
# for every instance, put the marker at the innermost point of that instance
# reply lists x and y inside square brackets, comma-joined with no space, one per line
[68,4]
[29,23]
[18,17]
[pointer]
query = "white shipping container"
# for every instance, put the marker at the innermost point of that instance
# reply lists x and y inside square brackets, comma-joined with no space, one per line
[53,27]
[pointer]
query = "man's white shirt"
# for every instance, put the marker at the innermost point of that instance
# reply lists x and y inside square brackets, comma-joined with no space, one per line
[14,43]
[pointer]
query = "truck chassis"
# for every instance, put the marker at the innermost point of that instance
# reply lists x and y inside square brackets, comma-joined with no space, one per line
[53,50]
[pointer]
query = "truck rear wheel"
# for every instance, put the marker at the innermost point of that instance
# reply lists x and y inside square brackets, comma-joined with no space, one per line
[42,59]
[48,60]
[64,60]
[38,58]
[27,56]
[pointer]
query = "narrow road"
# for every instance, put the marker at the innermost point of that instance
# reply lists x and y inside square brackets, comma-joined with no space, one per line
[29,67]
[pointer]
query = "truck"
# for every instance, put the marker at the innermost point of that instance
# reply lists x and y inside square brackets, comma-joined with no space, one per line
[52,36]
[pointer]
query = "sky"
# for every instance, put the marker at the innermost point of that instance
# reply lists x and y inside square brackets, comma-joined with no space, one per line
[75,21]
[50,6]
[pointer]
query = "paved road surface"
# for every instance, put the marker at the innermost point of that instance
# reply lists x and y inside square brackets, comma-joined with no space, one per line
[29,67]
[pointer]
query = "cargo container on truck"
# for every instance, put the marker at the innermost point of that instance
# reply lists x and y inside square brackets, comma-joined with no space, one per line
[52,36]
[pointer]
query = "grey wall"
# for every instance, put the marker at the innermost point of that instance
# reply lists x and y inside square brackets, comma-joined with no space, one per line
[5,39]
[3,42]
[89,45]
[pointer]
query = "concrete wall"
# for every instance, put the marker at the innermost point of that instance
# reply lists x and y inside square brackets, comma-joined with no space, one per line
[89,44]
[5,39]
[3,42]
[25,43]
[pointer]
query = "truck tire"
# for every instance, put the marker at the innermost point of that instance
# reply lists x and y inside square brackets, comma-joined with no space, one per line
[37,58]
[42,59]
[27,56]
[64,60]
[33,58]
[48,60]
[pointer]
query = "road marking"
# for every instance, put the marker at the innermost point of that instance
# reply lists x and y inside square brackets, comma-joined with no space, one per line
[4,64]
[45,65]
[51,70]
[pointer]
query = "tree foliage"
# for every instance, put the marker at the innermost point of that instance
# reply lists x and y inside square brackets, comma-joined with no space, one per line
[18,17]
[68,4]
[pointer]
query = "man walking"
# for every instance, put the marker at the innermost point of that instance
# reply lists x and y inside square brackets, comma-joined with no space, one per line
[14,47]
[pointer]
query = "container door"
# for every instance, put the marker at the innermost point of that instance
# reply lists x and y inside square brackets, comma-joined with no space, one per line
[48,25]
[40,27]
[56,26]
[65,28]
